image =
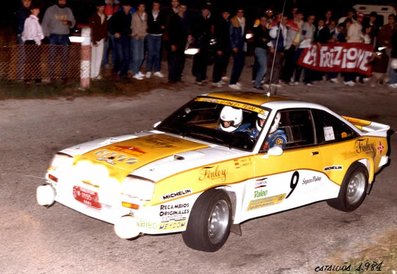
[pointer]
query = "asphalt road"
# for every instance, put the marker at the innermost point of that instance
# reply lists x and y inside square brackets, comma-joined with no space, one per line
[59,240]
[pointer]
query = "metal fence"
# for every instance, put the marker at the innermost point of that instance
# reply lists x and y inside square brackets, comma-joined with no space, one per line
[45,62]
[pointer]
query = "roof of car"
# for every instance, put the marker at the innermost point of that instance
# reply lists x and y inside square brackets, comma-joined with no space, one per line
[262,100]
[253,98]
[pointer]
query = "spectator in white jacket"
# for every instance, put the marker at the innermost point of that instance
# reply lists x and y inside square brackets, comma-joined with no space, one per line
[31,36]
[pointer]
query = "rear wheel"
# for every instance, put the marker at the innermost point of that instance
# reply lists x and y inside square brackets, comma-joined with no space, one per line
[209,222]
[353,189]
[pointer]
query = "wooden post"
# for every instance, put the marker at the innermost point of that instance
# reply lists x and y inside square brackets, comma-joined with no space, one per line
[85,64]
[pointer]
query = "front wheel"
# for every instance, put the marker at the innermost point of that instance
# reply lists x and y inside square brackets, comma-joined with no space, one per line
[209,222]
[353,189]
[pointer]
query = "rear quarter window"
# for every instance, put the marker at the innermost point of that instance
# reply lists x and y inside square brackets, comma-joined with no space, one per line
[331,129]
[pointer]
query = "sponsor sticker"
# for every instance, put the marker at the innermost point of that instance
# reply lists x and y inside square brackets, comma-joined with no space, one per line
[213,173]
[335,167]
[260,183]
[177,194]
[244,162]
[313,179]
[329,133]
[172,225]
[268,201]
[363,146]
[174,212]
[260,193]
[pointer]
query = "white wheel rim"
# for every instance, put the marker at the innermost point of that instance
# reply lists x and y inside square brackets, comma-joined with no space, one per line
[356,188]
[218,221]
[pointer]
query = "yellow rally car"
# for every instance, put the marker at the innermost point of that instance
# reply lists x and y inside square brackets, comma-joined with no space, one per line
[219,160]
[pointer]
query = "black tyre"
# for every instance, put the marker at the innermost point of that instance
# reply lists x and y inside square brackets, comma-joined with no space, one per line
[209,222]
[353,189]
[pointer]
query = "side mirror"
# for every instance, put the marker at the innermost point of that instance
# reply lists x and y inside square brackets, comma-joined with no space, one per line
[275,151]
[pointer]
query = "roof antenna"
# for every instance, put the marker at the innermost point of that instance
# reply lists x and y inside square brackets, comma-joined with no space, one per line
[273,89]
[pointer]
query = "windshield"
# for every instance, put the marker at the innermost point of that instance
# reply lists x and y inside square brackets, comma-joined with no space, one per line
[218,121]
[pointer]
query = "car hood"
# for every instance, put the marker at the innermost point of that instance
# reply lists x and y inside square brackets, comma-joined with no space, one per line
[124,157]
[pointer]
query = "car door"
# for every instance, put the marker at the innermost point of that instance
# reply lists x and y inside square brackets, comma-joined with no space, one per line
[338,144]
[295,177]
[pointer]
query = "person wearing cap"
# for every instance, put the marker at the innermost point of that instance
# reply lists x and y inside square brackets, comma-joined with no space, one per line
[98,25]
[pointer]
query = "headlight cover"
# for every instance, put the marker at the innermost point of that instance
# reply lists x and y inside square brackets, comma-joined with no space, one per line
[137,187]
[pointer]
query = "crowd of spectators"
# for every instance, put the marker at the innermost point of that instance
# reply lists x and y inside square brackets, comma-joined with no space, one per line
[131,37]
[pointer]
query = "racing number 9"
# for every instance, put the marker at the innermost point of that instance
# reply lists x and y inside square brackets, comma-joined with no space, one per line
[293,183]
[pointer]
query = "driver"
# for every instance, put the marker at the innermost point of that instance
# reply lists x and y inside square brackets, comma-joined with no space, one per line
[276,136]
[231,120]
[260,122]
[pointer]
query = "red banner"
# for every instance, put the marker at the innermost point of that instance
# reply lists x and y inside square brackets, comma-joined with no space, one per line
[344,57]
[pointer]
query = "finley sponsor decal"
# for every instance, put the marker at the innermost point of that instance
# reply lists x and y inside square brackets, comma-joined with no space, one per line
[362,145]
[213,173]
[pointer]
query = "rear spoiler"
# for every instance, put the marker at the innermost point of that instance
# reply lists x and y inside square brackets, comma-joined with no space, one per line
[369,127]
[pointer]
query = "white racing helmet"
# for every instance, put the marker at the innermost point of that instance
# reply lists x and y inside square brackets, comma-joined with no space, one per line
[261,116]
[276,123]
[232,115]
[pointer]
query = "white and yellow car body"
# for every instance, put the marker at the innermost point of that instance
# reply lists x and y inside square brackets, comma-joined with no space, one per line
[154,182]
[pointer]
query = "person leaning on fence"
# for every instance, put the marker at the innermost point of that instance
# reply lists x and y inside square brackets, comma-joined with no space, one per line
[32,36]
[98,25]
[57,22]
